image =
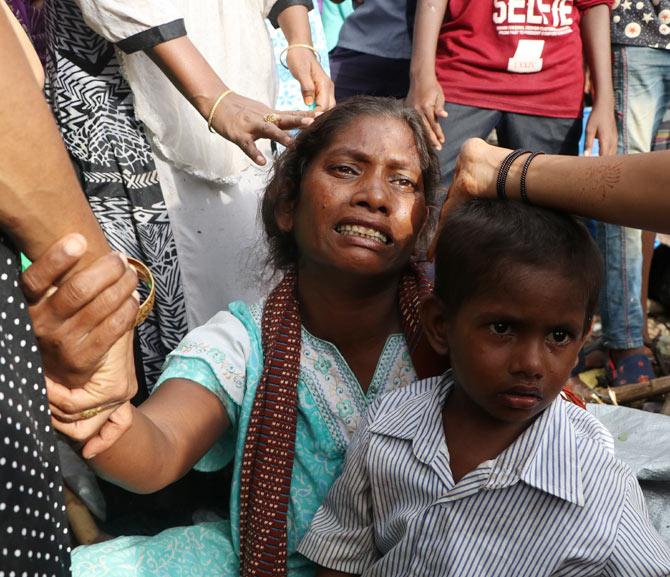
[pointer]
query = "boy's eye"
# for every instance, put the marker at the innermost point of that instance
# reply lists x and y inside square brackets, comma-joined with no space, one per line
[500,328]
[559,336]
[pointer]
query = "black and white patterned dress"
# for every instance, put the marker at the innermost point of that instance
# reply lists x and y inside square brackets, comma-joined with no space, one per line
[34,539]
[93,106]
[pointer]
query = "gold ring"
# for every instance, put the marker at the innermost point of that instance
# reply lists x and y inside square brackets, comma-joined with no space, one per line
[144,274]
[272,118]
[88,413]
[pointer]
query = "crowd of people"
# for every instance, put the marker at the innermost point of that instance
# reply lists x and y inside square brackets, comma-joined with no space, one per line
[276,239]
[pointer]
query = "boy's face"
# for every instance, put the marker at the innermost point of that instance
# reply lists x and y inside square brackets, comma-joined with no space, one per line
[512,348]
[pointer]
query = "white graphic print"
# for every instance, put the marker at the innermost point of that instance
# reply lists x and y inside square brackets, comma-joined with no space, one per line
[533,17]
[527,58]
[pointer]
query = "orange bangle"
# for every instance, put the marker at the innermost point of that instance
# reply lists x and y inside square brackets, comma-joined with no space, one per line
[144,274]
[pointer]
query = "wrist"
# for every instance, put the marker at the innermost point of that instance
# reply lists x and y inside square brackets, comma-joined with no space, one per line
[422,69]
[204,101]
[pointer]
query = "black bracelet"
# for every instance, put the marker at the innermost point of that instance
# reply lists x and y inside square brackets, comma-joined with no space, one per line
[524,172]
[505,166]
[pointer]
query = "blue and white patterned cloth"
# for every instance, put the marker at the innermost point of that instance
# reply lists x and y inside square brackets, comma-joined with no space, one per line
[226,357]
[555,503]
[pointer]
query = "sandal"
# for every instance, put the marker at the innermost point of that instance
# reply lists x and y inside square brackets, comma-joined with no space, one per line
[586,351]
[630,370]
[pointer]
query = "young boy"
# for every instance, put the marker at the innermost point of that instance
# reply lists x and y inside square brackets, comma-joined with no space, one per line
[486,472]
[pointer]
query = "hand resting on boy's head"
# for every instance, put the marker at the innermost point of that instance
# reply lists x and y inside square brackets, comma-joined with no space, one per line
[595,187]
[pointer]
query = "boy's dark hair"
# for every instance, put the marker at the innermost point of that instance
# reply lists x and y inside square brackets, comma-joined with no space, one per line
[284,186]
[481,238]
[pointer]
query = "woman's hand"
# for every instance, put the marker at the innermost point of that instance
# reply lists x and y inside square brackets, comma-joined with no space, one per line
[426,96]
[84,332]
[314,82]
[474,177]
[243,121]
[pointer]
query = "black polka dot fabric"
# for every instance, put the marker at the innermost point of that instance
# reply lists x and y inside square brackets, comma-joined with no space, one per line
[34,540]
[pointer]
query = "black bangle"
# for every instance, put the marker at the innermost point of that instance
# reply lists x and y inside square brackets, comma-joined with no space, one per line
[505,166]
[524,172]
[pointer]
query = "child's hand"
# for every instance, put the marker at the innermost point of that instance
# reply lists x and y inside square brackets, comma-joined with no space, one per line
[83,329]
[601,125]
[426,96]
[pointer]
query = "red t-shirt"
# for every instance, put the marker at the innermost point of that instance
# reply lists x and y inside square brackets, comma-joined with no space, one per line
[514,55]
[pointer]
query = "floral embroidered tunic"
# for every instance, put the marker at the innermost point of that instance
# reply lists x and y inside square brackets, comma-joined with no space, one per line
[226,357]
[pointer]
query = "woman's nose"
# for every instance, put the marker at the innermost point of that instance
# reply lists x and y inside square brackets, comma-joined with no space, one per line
[373,194]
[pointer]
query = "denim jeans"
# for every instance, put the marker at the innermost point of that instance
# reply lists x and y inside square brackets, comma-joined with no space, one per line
[550,135]
[642,93]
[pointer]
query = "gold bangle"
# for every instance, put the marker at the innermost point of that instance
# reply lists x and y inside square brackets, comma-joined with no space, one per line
[284,53]
[214,107]
[90,413]
[144,274]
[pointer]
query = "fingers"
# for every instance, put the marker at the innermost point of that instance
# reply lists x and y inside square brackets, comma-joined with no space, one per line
[81,431]
[101,338]
[307,88]
[84,286]
[429,115]
[325,93]
[588,142]
[111,431]
[66,404]
[52,265]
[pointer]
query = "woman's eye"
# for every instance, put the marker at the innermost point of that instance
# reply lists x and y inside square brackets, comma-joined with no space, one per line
[404,182]
[343,169]
[500,328]
[559,337]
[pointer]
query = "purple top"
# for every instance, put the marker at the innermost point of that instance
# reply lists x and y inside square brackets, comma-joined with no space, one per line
[32,20]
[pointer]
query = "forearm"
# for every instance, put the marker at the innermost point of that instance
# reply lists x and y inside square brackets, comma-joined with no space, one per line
[169,433]
[40,196]
[629,190]
[137,460]
[190,73]
[596,37]
[427,24]
[294,23]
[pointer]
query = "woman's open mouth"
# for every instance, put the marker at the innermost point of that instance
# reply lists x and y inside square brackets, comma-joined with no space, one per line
[362,232]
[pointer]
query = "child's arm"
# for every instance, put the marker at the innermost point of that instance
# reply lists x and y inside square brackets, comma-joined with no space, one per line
[425,93]
[595,27]
[639,551]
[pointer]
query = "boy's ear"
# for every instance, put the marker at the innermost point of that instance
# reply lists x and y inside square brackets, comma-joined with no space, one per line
[434,320]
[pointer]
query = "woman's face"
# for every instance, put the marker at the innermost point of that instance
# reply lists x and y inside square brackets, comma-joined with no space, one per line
[361,204]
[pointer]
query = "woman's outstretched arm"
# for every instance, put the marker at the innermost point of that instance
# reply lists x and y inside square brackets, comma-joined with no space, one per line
[166,436]
[629,190]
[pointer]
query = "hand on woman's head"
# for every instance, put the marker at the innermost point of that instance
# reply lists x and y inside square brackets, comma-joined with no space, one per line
[373,155]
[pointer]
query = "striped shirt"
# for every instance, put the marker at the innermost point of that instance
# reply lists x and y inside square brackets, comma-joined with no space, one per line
[554,503]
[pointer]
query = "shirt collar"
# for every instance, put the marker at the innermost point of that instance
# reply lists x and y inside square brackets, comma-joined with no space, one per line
[418,418]
[545,456]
